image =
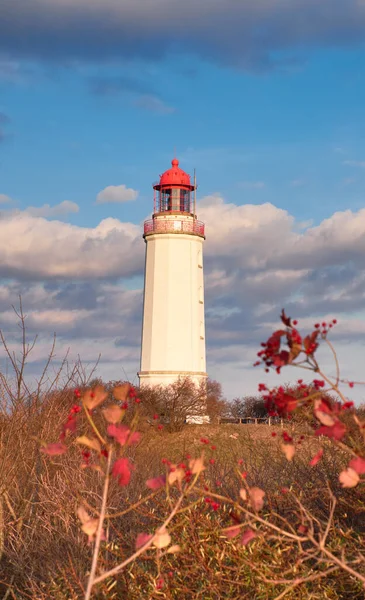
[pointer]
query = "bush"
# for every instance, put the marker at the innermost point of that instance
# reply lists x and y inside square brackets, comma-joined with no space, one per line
[91,507]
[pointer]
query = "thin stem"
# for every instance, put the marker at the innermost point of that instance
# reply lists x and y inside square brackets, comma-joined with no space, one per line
[338,561]
[256,517]
[133,506]
[96,430]
[330,345]
[140,550]
[94,563]
[329,522]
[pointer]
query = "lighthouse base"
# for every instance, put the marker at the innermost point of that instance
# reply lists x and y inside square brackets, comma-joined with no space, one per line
[153,378]
[194,414]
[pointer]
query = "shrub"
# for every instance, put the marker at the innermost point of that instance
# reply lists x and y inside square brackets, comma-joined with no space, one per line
[91,507]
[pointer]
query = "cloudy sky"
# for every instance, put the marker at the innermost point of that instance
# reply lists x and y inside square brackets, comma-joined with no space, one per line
[265,99]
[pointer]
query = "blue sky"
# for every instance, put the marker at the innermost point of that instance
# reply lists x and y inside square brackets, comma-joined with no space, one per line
[266,104]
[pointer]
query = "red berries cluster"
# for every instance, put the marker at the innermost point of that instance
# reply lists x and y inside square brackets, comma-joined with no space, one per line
[318,384]
[272,355]
[132,394]
[213,505]
[325,326]
[286,437]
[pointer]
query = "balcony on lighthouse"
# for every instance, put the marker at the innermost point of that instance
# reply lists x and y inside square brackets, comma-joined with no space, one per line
[174,204]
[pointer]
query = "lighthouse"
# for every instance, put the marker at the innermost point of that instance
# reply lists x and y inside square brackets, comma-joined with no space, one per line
[173,331]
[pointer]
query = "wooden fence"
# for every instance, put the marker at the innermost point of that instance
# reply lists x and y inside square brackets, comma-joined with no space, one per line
[253,420]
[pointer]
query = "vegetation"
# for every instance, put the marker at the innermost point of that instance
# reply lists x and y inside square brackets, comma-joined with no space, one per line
[105,495]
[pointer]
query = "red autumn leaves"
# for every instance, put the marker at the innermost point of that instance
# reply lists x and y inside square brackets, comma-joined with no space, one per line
[122,471]
[121,434]
[326,410]
[254,496]
[273,355]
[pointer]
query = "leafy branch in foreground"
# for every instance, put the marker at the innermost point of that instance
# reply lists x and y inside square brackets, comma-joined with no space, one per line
[245,515]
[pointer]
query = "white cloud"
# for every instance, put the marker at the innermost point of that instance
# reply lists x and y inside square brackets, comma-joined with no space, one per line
[4,199]
[355,163]
[33,247]
[115,194]
[257,260]
[58,210]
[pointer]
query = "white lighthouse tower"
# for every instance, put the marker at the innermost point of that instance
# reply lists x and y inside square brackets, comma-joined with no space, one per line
[173,335]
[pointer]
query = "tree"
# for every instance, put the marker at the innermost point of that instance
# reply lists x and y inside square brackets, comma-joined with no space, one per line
[250,406]
[174,403]
[216,405]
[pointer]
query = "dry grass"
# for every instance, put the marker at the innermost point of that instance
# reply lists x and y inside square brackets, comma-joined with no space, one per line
[45,555]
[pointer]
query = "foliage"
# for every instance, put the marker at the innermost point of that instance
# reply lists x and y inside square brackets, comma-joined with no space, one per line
[99,500]
[175,403]
[248,407]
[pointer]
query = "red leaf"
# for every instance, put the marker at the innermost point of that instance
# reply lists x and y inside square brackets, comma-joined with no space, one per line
[232,532]
[54,449]
[257,498]
[122,434]
[324,405]
[122,471]
[316,458]
[310,343]
[279,360]
[119,432]
[93,397]
[142,539]
[120,392]
[156,483]
[358,465]
[113,413]
[70,425]
[134,438]
[286,320]
[336,431]
[324,418]
[247,536]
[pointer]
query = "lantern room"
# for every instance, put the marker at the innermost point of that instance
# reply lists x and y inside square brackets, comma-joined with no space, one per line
[173,193]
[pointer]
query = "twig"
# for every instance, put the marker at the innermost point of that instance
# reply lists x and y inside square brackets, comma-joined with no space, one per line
[99,530]
[141,550]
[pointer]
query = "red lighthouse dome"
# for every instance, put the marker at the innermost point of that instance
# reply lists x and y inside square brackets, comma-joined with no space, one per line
[174,191]
[175,176]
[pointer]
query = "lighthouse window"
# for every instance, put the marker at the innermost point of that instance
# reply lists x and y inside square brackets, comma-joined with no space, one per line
[184,201]
[165,200]
[175,199]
